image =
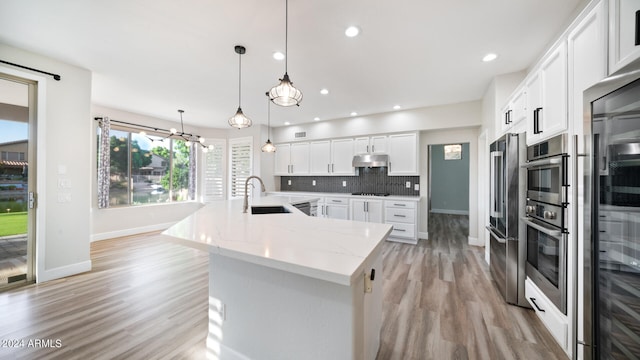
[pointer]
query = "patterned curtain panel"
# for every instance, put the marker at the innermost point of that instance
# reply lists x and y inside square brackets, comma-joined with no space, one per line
[104,162]
[192,170]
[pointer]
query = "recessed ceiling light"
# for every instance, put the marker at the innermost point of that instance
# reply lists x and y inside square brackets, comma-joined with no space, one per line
[354,113]
[324,91]
[287,123]
[278,55]
[352,31]
[396,107]
[489,57]
[316,119]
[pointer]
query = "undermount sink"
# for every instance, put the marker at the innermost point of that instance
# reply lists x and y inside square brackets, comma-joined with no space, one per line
[257,210]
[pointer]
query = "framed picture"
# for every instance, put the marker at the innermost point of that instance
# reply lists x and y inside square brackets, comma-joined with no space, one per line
[453,152]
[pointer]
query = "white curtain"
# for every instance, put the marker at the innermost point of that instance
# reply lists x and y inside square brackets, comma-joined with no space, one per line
[104,162]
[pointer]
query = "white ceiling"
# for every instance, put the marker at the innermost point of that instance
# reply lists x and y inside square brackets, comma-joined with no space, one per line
[156,56]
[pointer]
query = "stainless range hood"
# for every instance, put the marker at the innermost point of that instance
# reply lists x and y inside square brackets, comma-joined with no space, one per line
[368,160]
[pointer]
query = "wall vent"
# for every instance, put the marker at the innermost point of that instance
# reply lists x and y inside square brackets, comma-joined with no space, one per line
[301,134]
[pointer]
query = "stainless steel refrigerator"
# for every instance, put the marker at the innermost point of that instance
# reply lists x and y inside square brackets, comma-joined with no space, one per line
[507,248]
[612,218]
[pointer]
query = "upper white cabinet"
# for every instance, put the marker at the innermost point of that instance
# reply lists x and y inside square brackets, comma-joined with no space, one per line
[515,112]
[547,97]
[292,159]
[624,33]
[371,145]
[331,157]
[403,154]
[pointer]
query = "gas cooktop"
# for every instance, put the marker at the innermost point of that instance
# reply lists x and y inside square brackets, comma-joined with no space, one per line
[370,194]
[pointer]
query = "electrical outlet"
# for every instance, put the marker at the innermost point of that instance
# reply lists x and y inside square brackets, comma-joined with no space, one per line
[344,183]
[416,187]
[289,182]
[408,185]
[313,182]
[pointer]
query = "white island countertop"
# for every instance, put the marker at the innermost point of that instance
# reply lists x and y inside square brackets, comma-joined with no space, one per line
[326,249]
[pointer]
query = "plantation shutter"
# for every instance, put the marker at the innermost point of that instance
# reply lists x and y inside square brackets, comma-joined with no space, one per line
[240,165]
[213,174]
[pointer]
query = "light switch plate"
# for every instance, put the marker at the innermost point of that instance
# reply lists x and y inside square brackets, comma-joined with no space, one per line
[416,187]
[313,182]
[288,182]
[344,183]
[408,185]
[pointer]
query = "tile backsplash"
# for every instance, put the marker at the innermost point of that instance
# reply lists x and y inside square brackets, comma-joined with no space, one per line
[369,180]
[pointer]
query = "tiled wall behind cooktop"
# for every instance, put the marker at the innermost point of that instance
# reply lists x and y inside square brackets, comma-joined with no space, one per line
[370,180]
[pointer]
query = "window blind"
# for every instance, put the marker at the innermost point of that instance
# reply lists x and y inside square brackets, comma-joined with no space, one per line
[213,174]
[240,164]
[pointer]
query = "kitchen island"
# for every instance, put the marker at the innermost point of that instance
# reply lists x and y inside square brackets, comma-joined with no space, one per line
[287,285]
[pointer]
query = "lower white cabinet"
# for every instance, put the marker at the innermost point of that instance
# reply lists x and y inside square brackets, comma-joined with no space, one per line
[366,210]
[403,216]
[555,321]
[336,208]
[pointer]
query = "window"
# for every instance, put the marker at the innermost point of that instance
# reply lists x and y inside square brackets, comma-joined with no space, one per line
[240,164]
[12,155]
[213,171]
[146,169]
[453,152]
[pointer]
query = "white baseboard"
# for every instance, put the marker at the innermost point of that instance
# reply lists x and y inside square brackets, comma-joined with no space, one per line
[475,241]
[131,231]
[450,212]
[423,235]
[63,271]
[227,353]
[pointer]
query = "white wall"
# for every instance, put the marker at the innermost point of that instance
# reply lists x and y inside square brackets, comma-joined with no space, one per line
[449,136]
[64,133]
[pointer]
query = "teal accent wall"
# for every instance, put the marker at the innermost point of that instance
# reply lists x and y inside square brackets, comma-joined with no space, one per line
[449,181]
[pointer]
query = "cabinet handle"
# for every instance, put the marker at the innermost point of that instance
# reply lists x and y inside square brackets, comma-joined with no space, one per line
[373,148]
[399,229]
[506,117]
[536,121]
[364,206]
[396,215]
[328,168]
[333,167]
[533,300]
[367,148]
[637,27]
[336,200]
[399,204]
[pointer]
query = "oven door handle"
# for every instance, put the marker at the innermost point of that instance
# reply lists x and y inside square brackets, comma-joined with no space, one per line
[542,229]
[543,162]
[501,240]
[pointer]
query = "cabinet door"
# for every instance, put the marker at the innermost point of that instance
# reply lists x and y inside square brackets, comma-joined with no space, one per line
[282,159]
[320,157]
[374,211]
[506,114]
[337,211]
[403,154]
[534,102]
[553,116]
[624,47]
[519,107]
[358,210]
[299,158]
[361,145]
[378,144]
[342,157]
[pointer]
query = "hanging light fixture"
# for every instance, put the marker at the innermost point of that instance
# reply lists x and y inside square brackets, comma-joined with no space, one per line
[239,120]
[285,94]
[268,146]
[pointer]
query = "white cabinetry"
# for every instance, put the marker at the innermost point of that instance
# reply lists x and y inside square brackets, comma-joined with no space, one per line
[403,154]
[624,35]
[403,216]
[547,97]
[336,208]
[292,159]
[371,145]
[551,317]
[331,157]
[366,210]
[515,112]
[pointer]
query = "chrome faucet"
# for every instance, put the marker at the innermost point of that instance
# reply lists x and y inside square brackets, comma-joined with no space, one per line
[245,206]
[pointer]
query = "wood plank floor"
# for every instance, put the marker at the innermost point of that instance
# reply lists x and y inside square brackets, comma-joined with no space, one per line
[147,299]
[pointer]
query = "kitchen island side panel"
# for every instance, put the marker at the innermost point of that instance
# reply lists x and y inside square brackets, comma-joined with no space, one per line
[266,313]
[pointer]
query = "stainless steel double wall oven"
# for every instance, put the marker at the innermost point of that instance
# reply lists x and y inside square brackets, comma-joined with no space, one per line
[545,218]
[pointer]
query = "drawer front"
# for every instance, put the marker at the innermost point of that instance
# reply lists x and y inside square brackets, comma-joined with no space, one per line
[336,201]
[400,215]
[403,230]
[400,204]
[551,317]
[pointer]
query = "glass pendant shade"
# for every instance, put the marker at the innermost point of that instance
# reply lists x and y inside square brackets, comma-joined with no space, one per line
[285,94]
[268,147]
[239,120]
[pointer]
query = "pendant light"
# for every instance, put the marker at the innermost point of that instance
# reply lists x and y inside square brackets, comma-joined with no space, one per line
[285,94]
[239,120]
[268,146]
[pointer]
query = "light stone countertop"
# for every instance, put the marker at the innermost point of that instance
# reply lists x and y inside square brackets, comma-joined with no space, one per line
[298,194]
[327,249]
